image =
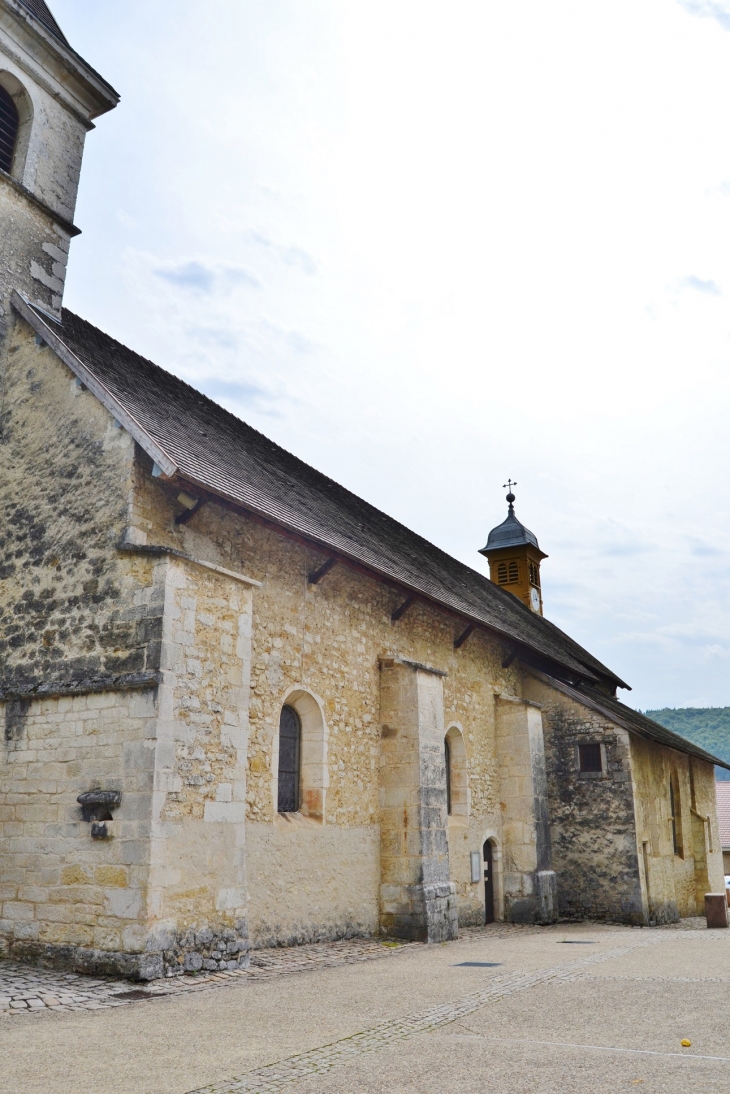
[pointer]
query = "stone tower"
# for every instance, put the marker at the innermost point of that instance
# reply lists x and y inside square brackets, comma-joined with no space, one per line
[514,559]
[48,98]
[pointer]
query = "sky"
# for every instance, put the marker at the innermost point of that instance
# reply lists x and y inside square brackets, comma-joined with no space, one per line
[426,246]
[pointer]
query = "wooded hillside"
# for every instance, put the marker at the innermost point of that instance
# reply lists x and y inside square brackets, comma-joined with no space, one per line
[708,727]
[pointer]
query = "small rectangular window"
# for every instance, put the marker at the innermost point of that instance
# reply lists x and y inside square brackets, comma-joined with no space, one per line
[590,758]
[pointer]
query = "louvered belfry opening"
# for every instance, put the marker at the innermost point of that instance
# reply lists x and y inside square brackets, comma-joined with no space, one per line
[9,123]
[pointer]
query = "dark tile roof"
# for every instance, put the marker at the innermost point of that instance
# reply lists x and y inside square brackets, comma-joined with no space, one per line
[633,720]
[43,15]
[214,449]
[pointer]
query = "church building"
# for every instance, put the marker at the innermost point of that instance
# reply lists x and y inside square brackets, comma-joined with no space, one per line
[240,706]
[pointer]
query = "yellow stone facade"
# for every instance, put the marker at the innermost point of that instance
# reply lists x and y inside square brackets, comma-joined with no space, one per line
[147,650]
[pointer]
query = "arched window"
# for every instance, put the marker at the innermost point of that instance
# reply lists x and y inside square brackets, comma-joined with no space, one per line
[290,760]
[457,779]
[514,572]
[502,573]
[9,126]
[675,807]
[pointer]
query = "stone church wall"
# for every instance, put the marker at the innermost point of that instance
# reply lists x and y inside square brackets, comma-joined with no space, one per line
[89,604]
[592,819]
[326,640]
[70,606]
[675,883]
[65,896]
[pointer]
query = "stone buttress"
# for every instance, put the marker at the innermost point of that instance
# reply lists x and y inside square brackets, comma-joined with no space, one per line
[530,893]
[417,898]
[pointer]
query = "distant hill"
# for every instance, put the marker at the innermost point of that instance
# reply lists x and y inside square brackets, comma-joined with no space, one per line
[708,727]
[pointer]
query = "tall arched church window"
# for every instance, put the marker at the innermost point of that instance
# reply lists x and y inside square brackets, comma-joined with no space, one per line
[290,760]
[9,125]
[457,780]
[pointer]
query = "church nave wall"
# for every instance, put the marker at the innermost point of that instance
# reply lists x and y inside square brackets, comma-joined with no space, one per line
[592,819]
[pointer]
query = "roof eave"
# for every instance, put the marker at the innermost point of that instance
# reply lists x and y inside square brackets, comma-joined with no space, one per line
[47,328]
[44,328]
[588,701]
[97,88]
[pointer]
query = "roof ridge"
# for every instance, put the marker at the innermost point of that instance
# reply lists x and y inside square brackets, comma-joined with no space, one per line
[240,463]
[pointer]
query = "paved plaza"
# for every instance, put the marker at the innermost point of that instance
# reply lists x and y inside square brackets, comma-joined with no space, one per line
[554,1009]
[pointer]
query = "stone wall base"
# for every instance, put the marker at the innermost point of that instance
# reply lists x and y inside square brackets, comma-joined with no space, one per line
[206,949]
[125,966]
[541,906]
[425,913]
[174,953]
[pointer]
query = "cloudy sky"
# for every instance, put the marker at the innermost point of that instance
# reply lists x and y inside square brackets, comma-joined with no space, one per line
[429,245]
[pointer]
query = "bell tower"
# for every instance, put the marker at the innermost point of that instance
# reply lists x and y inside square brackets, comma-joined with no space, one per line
[514,557]
[49,97]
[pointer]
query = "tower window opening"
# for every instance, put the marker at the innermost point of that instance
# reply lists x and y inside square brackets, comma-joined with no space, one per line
[502,573]
[290,764]
[447,757]
[9,126]
[590,758]
[535,574]
[514,572]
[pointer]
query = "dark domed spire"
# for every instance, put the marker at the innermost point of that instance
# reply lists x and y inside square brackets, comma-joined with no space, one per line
[510,533]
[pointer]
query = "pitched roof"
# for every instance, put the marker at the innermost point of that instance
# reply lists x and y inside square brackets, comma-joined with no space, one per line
[194,439]
[42,13]
[632,720]
[722,791]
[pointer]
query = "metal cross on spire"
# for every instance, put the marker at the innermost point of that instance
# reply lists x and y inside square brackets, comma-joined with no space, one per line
[508,485]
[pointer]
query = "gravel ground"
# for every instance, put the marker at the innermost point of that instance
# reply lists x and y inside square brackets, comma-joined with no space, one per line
[582,1007]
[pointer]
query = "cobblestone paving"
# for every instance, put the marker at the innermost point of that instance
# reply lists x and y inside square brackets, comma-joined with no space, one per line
[24,989]
[271,1078]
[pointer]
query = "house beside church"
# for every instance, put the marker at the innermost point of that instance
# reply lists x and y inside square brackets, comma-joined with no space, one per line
[241,706]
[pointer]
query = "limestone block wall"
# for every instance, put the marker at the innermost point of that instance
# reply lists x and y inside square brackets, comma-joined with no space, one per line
[310,882]
[71,607]
[63,895]
[675,883]
[528,881]
[592,820]
[416,894]
[197,900]
[327,640]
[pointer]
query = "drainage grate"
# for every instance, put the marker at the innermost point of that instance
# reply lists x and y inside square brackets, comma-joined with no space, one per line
[477,965]
[575,942]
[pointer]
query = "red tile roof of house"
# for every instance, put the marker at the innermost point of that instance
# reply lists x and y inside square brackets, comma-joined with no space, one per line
[723,811]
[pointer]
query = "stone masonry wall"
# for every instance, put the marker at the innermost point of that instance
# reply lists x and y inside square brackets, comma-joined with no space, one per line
[71,608]
[327,640]
[197,903]
[63,895]
[675,884]
[593,826]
